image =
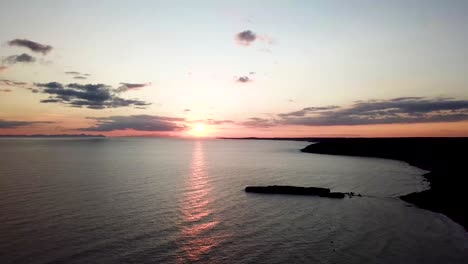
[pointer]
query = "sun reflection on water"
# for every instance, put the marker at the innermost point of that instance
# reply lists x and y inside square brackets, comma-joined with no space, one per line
[198,221]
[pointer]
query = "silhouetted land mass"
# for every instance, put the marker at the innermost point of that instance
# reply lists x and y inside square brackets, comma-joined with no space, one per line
[51,136]
[278,189]
[275,138]
[445,158]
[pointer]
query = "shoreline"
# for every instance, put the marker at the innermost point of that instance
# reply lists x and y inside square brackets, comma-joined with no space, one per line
[442,157]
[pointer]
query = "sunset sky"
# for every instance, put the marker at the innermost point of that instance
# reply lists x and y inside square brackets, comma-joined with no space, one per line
[234,68]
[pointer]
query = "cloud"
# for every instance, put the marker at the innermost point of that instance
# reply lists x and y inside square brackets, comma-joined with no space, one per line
[78,75]
[11,83]
[322,108]
[50,101]
[245,37]
[211,121]
[2,68]
[403,110]
[186,110]
[23,58]
[73,73]
[258,122]
[243,79]
[218,122]
[4,124]
[5,90]
[398,99]
[93,96]
[136,122]
[307,110]
[33,46]
[131,86]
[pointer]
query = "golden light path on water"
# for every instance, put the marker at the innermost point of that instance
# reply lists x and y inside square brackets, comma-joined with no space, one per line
[197,238]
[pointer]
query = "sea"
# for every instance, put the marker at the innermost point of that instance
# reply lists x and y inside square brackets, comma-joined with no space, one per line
[161,200]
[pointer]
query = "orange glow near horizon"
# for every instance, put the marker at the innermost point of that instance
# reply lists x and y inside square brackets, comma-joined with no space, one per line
[199,130]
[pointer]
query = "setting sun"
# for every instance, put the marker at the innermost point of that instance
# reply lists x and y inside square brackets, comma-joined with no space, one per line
[199,130]
[233,131]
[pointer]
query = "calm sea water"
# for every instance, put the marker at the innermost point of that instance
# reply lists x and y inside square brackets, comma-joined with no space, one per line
[128,200]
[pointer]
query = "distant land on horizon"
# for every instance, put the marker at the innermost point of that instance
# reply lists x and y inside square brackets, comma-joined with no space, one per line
[51,136]
[331,138]
[233,138]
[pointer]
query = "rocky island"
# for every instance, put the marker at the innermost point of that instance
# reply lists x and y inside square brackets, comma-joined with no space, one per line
[284,189]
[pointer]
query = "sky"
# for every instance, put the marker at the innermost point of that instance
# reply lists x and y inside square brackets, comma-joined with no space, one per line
[234,68]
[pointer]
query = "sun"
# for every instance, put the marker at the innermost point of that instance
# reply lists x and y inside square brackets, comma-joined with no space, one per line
[199,130]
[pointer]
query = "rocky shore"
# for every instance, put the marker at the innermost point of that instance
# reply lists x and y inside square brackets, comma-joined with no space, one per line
[445,158]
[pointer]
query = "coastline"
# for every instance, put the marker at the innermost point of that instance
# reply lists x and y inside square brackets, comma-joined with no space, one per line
[54,136]
[443,157]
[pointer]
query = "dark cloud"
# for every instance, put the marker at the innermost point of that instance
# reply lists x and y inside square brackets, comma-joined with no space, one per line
[307,110]
[243,79]
[73,73]
[4,124]
[246,37]
[131,86]
[80,77]
[402,110]
[50,101]
[134,85]
[404,99]
[5,90]
[187,110]
[93,96]
[33,46]
[321,108]
[136,122]
[23,58]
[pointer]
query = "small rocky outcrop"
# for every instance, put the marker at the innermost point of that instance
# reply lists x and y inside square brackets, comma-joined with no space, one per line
[295,190]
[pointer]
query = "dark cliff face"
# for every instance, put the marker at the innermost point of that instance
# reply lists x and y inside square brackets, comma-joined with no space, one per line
[446,158]
[426,153]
